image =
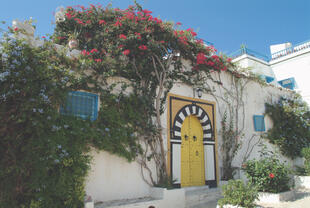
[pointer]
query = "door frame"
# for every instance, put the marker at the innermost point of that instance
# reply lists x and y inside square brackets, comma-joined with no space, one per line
[177,104]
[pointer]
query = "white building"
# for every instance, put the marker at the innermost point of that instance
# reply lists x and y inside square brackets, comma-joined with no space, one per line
[113,180]
[288,65]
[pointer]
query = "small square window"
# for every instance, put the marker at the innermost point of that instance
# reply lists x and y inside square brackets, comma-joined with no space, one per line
[82,104]
[259,122]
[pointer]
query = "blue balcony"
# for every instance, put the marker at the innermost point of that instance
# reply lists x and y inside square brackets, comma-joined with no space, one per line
[244,50]
[290,50]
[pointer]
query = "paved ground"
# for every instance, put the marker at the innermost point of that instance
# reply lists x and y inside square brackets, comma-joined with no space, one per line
[302,200]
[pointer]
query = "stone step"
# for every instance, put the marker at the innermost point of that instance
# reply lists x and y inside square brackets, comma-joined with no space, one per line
[129,203]
[195,190]
[195,197]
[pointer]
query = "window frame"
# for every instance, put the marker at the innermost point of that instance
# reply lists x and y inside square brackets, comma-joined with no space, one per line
[94,113]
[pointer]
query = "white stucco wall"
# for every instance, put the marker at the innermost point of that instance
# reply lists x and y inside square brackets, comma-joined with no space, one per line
[257,66]
[114,178]
[255,97]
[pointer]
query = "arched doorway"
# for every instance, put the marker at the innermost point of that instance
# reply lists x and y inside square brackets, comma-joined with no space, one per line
[192,153]
[189,163]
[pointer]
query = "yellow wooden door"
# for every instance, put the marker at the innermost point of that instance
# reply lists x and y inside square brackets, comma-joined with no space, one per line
[192,154]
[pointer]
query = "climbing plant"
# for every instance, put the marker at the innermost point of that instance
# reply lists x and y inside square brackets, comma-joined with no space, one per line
[44,153]
[143,49]
[228,90]
[229,94]
[41,152]
[291,125]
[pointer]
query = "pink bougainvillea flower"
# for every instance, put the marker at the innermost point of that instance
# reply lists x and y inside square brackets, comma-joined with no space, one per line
[162,41]
[120,46]
[143,47]
[118,23]
[126,52]
[199,41]
[183,39]
[69,15]
[224,68]
[210,63]
[97,60]
[122,36]
[138,35]
[83,52]
[145,11]
[150,19]
[193,33]
[201,58]
[215,57]
[43,37]
[178,23]
[229,59]
[271,175]
[16,28]
[158,21]
[130,15]
[93,50]
[101,22]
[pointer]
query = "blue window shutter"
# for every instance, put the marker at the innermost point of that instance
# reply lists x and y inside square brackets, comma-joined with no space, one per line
[259,122]
[289,83]
[82,104]
[269,79]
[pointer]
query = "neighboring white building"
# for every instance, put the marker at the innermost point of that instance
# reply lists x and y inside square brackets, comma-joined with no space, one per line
[288,66]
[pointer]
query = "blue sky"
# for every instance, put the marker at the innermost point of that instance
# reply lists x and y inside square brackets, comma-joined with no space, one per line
[225,23]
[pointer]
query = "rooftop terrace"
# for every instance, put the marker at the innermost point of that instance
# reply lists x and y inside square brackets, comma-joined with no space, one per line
[293,49]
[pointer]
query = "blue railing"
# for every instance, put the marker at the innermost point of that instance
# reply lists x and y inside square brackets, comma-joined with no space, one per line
[248,51]
[290,50]
[208,43]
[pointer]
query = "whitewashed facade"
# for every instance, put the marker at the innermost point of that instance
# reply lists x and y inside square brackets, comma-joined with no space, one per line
[113,178]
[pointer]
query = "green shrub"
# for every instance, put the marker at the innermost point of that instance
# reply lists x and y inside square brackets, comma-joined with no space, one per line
[42,153]
[300,171]
[267,174]
[290,131]
[238,193]
[306,154]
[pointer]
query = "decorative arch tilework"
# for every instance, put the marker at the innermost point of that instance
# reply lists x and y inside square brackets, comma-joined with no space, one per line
[200,114]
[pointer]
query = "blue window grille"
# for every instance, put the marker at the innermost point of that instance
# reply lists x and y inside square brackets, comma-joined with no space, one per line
[82,104]
[259,122]
[289,83]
